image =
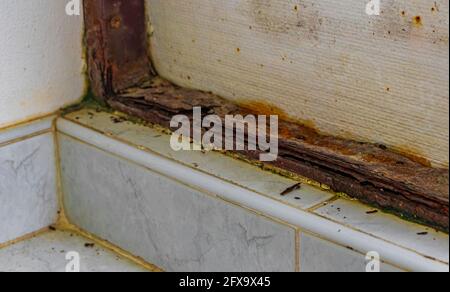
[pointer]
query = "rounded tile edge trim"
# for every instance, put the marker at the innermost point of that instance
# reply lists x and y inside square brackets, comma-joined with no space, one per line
[23,130]
[308,221]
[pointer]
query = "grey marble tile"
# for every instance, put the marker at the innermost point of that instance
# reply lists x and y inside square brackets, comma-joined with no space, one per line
[26,129]
[421,239]
[28,200]
[168,224]
[47,253]
[318,255]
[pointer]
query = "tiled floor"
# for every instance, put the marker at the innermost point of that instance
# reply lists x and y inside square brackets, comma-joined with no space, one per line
[47,253]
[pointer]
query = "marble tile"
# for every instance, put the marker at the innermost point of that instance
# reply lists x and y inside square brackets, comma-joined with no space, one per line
[47,253]
[169,224]
[318,255]
[26,129]
[418,238]
[28,200]
[238,172]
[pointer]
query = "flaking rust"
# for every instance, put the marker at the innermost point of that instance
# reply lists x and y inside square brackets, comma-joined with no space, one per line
[121,75]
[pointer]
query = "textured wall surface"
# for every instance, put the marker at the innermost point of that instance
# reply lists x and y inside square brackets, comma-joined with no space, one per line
[41,65]
[377,78]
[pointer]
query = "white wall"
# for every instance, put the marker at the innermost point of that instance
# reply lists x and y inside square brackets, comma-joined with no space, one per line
[381,78]
[41,65]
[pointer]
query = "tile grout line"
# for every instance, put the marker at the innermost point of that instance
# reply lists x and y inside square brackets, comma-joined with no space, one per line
[24,237]
[62,219]
[26,137]
[322,204]
[69,227]
[28,121]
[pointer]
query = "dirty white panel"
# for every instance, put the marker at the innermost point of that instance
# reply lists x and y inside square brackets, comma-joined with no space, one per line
[377,78]
[41,61]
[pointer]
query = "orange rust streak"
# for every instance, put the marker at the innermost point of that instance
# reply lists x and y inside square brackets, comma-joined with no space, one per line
[413,154]
[309,133]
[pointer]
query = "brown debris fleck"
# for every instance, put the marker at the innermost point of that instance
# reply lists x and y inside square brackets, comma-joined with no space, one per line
[291,189]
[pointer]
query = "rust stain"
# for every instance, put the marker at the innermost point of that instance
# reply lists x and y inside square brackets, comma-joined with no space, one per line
[307,128]
[116,22]
[417,21]
[412,154]
[263,108]
[311,134]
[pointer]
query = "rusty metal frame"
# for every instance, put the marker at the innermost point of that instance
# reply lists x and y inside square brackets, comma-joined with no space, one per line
[122,76]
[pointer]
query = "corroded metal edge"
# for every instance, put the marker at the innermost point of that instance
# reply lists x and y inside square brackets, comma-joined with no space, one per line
[121,75]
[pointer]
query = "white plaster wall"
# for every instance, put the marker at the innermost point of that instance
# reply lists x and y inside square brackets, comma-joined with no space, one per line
[41,64]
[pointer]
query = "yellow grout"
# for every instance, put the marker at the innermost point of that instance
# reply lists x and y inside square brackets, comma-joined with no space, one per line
[322,204]
[62,218]
[69,227]
[27,121]
[24,237]
[26,137]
